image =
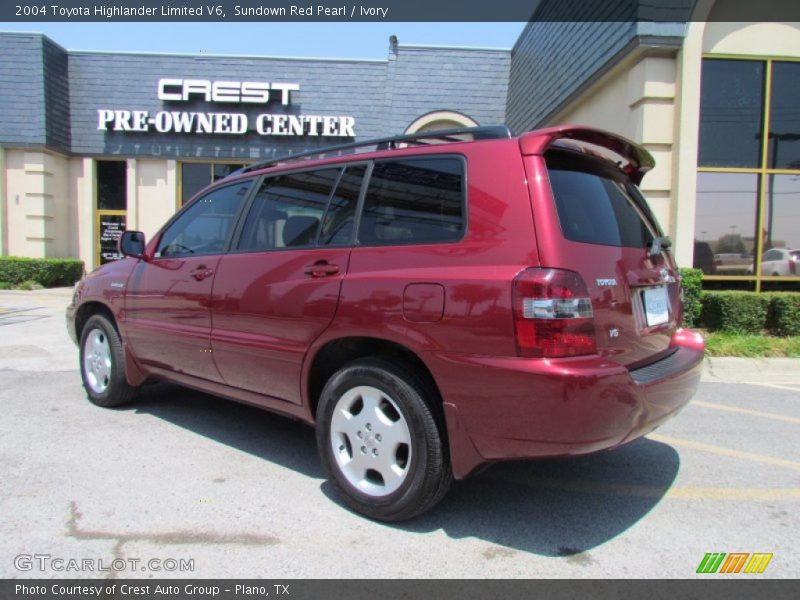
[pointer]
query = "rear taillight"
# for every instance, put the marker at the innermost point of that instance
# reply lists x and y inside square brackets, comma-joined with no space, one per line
[552,314]
[792,267]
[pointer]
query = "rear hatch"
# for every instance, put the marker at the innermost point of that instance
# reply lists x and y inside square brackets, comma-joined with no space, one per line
[592,219]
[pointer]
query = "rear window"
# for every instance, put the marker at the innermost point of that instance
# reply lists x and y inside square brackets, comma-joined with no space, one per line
[598,205]
[414,201]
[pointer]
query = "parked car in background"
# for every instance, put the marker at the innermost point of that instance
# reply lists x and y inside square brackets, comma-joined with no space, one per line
[732,263]
[779,262]
[704,258]
[430,306]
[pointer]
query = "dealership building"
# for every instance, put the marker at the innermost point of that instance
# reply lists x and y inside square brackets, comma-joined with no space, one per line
[95,142]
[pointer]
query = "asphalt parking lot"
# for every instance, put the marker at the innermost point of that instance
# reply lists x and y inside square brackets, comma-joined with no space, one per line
[184,478]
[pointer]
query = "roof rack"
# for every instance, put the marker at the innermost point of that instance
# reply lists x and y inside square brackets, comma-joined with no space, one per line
[488,132]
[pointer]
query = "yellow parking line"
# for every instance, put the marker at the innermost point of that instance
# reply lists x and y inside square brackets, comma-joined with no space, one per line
[741,494]
[777,386]
[652,491]
[759,458]
[745,411]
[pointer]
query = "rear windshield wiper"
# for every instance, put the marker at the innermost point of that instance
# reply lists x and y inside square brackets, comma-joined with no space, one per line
[658,244]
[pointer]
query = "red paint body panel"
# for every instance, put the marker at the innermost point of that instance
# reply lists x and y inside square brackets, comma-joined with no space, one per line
[266,318]
[168,315]
[521,408]
[267,312]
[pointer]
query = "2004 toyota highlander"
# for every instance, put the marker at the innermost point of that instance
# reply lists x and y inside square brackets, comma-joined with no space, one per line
[439,302]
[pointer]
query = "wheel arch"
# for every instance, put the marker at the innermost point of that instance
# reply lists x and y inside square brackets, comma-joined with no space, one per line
[336,353]
[89,309]
[133,372]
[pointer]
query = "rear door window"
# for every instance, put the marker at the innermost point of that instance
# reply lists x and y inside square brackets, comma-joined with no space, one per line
[287,211]
[414,201]
[339,221]
[597,204]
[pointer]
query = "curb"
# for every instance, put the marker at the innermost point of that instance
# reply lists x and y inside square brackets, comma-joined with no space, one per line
[59,292]
[752,370]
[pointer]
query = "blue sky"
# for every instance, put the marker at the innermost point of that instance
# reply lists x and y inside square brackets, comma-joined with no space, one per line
[345,40]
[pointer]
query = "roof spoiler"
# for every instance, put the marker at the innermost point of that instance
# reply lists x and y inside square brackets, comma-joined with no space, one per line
[632,159]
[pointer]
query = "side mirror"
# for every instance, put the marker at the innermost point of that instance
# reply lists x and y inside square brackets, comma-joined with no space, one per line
[131,243]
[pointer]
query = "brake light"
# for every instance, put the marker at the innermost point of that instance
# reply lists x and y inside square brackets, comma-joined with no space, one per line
[552,314]
[792,267]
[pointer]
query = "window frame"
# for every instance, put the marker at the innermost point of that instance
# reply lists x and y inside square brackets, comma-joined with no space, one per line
[354,237]
[211,164]
[341,166]
[237,218]
[762,171]
[594,165]
[464,204]
[100,213]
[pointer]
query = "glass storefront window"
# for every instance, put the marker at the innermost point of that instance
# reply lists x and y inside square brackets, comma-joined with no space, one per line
[784,117]
[781,226]
[112,205]
[725,223]
[731,113]
[196,176]
[112,184]
[747,211]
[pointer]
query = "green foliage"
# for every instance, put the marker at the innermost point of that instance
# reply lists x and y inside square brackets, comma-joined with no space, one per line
[4,285]
[783,317]
[692,282]
[751,346]
[47,272]
[30,285]
[735,312]
[731,243]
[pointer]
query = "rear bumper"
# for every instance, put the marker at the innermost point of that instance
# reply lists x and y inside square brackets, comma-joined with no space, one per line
[510,408]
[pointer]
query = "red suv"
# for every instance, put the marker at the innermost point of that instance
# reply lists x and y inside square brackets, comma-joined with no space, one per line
[436,303]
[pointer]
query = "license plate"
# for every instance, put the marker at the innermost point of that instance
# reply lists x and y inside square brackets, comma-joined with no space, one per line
[656,306]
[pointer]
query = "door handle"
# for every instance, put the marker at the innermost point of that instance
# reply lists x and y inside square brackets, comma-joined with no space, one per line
[202,272]
[321,268]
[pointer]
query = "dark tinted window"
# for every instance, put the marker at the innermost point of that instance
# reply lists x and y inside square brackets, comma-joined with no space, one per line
[784,127]
[288,210]
[731,105]
[196,176]
[337,228]
[112,183]
[597,206]
[414,201]
[204,227]
[220,171]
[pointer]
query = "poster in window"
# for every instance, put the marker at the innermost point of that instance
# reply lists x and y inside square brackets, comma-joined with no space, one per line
[111,228]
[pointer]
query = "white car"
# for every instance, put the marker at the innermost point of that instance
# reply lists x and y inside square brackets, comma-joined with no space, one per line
[780,261]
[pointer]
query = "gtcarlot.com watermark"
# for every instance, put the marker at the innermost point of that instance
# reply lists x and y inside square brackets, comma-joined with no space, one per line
[49,563]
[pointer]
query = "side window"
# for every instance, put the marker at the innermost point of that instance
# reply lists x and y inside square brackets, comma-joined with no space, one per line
[337,227]
[773,255]
[288,210]
[204,227]
[417,200]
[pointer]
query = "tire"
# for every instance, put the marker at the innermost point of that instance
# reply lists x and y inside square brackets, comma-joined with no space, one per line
[102,363]
[380,442]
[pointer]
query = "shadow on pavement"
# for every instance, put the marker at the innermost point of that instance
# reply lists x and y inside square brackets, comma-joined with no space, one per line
[263,434]
[560,507]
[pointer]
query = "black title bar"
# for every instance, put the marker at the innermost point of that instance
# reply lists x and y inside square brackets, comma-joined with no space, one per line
[449,589]
[396,10]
